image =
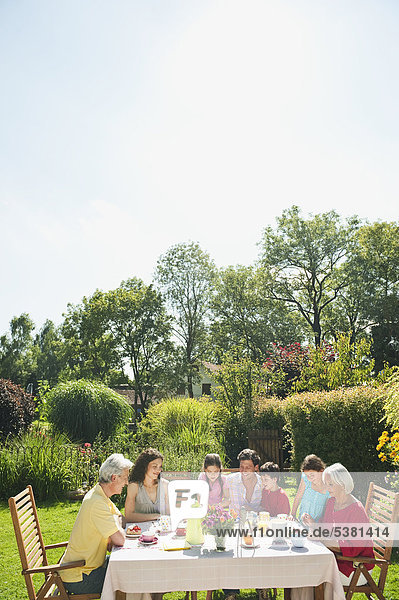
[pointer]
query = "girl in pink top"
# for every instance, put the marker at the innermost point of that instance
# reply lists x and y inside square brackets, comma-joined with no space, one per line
[212,474]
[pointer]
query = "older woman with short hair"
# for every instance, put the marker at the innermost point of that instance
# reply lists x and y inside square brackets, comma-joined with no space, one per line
[344,509]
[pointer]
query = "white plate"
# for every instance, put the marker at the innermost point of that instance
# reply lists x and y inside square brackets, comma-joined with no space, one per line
[133,535]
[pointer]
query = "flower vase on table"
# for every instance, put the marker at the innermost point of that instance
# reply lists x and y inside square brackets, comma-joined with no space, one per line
[217,521]
[220,541]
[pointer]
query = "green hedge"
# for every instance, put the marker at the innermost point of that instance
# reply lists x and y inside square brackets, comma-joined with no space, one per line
[339,426]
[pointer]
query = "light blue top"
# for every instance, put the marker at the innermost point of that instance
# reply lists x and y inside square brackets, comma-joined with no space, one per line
[312,502]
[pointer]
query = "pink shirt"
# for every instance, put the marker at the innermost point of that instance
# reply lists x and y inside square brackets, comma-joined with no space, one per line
[354,513]
[215,489]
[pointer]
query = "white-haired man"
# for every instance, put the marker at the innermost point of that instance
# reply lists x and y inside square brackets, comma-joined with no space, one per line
[98,526]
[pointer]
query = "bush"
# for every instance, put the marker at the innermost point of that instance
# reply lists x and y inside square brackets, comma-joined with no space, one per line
[269,414]
[17,409]
[83,409]
[184,430]
[339,426]
[44,461]
[391,400]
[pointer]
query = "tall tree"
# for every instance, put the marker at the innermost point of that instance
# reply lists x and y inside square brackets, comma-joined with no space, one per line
[244,317]
[377,256]
[185,274]
[17,353]
[370,301]
[142,331]
[49,350]
[90,350]
[303,259]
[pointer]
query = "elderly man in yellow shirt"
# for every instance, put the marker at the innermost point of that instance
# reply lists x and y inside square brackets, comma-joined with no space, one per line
[98,526]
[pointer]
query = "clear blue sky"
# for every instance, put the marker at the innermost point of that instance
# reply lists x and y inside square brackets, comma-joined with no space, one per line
[134,125]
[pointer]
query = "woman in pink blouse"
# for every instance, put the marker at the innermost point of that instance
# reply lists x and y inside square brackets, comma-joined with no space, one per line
[344,509]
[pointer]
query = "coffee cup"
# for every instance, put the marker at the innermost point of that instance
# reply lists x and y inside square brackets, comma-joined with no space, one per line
[181,531]
[297,542]
[147,537]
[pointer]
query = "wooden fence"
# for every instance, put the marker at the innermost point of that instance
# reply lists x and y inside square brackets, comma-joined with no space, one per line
[268,443]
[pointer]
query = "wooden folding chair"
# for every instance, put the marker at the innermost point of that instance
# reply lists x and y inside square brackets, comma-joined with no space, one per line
[32,551]
[382,507]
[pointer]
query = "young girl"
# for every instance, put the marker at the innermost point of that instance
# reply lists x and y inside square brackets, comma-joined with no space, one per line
[312,493]
[212,474]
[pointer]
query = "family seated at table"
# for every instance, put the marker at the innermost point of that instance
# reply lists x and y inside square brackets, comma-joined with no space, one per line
[324,495]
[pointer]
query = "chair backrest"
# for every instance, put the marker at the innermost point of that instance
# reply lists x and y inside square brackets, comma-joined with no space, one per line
[31,547]
[382,507]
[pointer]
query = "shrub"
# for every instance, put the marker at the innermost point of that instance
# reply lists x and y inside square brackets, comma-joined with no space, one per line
[341,365]
[269,414]
[44,461]
[17,409]
[83,409]
[391,400]
[283,366]
[239,382]
[339,426]
[184,430]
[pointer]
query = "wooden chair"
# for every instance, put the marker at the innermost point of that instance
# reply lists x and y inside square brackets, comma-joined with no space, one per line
[32,551]
[382,507]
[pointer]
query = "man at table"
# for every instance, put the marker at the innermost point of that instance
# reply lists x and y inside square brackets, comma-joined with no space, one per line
[245,487]
[98,526]
[245,491]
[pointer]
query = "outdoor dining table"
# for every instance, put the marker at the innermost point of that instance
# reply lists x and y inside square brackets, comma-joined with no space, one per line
[135,569]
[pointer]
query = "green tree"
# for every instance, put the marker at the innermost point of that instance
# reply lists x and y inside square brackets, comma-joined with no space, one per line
[370,301]
[141,330]
[89,349]
[244,317]
[49,348]
[341,365]
[377,256]
[302,261]
[17,352]
[239,381]
[185,274]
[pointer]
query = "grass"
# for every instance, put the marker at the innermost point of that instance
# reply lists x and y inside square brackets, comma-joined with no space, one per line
[57,519]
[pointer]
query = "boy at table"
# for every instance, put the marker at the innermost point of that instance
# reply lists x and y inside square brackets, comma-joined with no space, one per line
[274,499]
[98,526]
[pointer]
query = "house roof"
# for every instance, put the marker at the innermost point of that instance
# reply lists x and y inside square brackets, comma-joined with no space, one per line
[211,366]
[129,395]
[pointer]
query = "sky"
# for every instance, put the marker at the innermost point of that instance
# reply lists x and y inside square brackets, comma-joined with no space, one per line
[131,126]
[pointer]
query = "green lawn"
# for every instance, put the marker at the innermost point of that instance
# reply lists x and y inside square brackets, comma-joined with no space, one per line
[56,520]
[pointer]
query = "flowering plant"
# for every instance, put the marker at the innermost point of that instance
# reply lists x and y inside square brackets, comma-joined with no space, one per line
[389,452]
[218,517]
[389,447]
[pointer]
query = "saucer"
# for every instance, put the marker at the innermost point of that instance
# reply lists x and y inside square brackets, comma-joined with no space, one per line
[249,546]
[154,541]
[133,536]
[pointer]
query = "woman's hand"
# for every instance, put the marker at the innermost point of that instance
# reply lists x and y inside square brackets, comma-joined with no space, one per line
[307,519]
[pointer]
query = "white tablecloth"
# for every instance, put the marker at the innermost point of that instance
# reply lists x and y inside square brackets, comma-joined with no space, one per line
[138,569]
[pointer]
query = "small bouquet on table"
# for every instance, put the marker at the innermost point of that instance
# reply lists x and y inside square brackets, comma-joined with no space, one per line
[217,521]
